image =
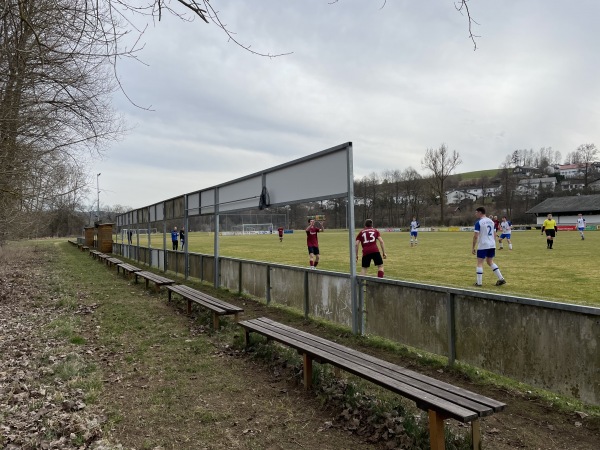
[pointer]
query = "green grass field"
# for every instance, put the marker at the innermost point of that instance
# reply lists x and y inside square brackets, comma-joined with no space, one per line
[568,273]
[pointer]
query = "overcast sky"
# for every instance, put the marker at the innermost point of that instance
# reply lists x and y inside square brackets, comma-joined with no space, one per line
[395,81]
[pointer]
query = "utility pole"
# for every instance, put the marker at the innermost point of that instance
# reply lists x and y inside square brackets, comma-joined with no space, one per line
[98,190]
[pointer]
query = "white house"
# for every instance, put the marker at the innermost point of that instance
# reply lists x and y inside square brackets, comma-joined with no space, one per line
[455,196]
[569,170]
[532,186]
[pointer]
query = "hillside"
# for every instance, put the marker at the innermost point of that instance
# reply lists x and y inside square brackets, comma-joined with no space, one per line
[490,173]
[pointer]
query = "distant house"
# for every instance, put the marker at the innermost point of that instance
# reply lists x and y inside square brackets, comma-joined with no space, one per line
[565,209]
[532,186]
[571,184]
[524,170]
[569,170]
[455,196]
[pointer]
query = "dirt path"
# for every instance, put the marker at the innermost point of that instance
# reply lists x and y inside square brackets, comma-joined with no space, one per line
[88,360]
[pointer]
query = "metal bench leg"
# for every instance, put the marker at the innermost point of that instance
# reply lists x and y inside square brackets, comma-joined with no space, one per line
[236,317]
[247,337]
[476,434]
[189,307]
[436,430]
[307,371]
[215,321]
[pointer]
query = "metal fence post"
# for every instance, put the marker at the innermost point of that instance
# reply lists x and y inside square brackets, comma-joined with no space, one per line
[268,290]
[306,299]
[451,329]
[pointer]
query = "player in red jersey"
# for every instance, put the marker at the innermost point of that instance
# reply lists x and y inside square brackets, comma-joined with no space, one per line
[312,241]
[368,237]
[280,232]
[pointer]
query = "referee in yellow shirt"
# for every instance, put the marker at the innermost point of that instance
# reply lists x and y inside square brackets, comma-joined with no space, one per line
[549,226]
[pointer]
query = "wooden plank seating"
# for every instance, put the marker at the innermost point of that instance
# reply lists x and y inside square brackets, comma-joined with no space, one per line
[441,400]
[84,248]
[72,242]
[102,257]
[94,253]
[113,261]
[128,269]
[218,307]
[156,279]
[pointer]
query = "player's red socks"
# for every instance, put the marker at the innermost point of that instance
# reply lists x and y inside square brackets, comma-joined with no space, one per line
[316,263]
[312,263]
[380,274]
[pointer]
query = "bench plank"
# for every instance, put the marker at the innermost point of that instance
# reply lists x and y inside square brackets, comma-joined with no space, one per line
[156,279]
[128,269]
[113,261]
[218,307]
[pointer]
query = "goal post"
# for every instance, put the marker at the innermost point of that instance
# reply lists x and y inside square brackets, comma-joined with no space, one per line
[253,228]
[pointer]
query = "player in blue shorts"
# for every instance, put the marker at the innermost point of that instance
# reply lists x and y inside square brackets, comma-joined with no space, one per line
[506,227]
[413,231]
[484,246]
[581,225]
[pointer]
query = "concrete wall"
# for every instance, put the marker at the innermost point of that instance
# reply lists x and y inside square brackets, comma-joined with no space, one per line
[287,287]
[550,345]
[553,348]
[415,317]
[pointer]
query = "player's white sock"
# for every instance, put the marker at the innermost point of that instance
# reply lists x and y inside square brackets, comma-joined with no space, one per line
[496,271]
[479,275]
[510,246]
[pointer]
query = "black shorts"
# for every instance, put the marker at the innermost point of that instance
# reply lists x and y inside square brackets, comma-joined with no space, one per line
[375,257]
[551,232]
[313,250]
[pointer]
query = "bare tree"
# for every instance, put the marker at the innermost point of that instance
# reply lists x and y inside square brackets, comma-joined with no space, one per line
[54,96]
[441,163]
[587,154]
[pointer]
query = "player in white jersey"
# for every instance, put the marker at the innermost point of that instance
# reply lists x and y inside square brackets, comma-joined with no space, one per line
[413,231]
[484,246]
[506,227]
[581,225]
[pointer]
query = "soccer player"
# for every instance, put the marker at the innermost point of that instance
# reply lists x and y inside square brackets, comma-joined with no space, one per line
[368,238]
[506,227]
[484,246]
[549,226]
[496,224]
[280,232]
[312,242]
[413,231]
[581,225]
[182,238]
[174,238]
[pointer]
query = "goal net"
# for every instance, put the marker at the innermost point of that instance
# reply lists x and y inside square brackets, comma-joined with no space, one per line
[253,228]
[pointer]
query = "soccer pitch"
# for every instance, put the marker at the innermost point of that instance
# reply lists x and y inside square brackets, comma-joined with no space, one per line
[569,273]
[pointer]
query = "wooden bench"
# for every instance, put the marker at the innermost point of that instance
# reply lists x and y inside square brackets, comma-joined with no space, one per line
[128,269]
[440,400]
[72,242]
[102,257]
[156,279]
[84,248]
[113,261]
[94,253]
[218,307]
